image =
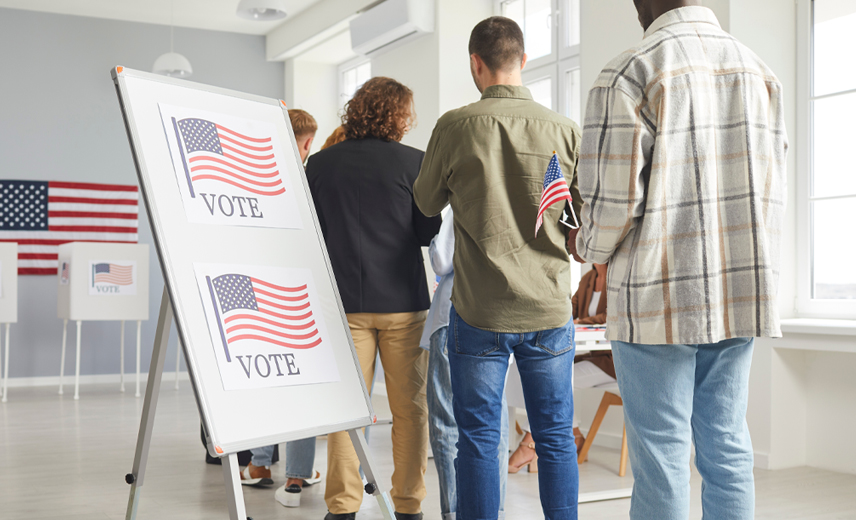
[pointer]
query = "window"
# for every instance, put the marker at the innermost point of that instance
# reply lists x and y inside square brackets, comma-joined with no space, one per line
[535,18]
[352,75]
[826,173]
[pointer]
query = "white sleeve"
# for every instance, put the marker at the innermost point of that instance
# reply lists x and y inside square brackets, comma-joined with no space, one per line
[442,249]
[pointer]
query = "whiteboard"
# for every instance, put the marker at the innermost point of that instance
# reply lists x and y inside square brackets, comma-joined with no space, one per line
[197,255]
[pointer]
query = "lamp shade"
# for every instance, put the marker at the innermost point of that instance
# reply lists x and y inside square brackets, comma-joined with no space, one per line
[172,64]
[262,10]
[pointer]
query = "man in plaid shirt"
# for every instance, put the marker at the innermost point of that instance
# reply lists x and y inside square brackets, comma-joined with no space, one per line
[683,176]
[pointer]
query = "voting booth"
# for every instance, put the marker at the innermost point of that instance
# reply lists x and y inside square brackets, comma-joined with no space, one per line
[8,303]
[102,282]
[248,279]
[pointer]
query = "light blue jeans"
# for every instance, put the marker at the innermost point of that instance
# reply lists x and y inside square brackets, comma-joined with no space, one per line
[443,430]
[299,458]
[676,395]
[478,362]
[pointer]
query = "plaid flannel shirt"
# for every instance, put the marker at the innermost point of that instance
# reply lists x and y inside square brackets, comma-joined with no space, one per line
[683,178]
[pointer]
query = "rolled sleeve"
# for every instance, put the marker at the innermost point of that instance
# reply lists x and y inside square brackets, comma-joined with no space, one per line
[615,159]
[431,191]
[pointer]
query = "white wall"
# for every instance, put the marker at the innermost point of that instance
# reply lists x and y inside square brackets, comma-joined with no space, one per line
[314,87]
[60,120]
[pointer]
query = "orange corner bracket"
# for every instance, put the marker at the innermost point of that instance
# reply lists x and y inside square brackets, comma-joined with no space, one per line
[218,449]
[283,103]
[374,419]
[119,69]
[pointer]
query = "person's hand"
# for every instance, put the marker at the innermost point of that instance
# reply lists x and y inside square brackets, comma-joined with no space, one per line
[576,321]
[572,245]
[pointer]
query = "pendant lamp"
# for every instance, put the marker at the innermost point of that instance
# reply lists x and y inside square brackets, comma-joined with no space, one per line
[262,10]
[172,63]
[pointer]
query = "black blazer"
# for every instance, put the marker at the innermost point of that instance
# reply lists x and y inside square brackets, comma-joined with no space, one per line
[363,193]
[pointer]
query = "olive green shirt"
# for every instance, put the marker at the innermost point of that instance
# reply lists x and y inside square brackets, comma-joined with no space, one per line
[488,160]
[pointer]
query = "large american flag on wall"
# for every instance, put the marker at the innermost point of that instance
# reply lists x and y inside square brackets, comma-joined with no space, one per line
[41,215]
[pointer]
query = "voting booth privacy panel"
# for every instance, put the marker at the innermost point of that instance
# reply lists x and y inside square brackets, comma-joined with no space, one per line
[103,282]
[9,283]
[256,305]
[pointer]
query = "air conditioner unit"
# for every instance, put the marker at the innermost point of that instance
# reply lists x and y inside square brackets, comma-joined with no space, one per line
[390,24]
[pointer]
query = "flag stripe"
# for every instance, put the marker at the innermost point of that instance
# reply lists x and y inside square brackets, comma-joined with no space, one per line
[278,287]
[254,182]
[275,342]
[95,229]
[280,297]
[88,186]
[285,335]
[94,208]
[38,256]
[244,145]
[236,168]
[286,317]
[37,270]
[92,194]
[248,155]
[238,185]
[90,214]
[270,322]
[231,159]
[242,136]
[84,200]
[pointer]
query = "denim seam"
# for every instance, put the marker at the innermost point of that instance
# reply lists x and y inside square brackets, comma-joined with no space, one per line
[553,352]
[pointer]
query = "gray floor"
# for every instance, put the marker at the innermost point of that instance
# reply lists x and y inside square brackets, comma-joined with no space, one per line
[61,459]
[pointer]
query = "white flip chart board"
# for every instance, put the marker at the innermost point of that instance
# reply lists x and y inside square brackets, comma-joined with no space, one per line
[256,306]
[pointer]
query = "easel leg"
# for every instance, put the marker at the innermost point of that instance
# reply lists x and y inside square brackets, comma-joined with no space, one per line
[62,358]
[122,359]
[177,362]
[139,328]
[2,386]
[144,437]
[371,488]
[234,493]
[77,365]
[6,367]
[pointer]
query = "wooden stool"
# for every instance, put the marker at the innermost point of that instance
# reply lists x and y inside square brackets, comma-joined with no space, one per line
[608,400]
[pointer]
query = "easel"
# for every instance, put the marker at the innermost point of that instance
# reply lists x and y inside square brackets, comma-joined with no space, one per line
[231,476]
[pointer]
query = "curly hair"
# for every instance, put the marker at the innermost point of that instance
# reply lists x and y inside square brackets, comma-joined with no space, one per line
[381,108]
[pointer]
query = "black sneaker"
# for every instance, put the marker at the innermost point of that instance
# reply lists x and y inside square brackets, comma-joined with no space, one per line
[408,516]
[346,516]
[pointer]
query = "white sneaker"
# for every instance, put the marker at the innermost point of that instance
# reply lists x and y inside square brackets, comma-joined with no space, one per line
[314,480]
[288,496]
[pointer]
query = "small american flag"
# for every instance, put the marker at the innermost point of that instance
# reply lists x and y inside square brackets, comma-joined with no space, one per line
[555,190]
[41,215]
[113,273]
[253,309]
[212,152]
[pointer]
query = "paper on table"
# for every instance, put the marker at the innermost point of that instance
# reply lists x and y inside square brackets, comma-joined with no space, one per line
[588,375]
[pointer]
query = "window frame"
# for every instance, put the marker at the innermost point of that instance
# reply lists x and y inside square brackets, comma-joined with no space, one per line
[554,33]
[806,305]
[348,66]
[545,71]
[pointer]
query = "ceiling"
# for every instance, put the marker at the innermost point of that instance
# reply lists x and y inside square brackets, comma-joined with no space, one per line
[216,15]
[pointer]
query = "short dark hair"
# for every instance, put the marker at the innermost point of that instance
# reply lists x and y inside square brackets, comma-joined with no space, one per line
[498,41]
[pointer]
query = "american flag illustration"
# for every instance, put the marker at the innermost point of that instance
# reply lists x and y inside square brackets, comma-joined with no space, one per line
[41,215]
[113,273]
[212,152]
[64,274]
[555,189]
[248,308]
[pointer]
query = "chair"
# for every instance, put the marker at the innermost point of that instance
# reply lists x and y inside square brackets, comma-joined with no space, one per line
[609,399]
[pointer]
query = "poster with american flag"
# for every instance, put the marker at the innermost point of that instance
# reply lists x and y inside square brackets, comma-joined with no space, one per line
[112,277]
[266,326]
[231,170]
[42,215]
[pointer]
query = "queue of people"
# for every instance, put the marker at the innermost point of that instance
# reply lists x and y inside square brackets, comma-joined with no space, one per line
[678,183]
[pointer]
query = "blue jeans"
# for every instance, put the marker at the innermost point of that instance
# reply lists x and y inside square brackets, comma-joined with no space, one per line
[443,430]
[479,361]
[675,395]
[299,457]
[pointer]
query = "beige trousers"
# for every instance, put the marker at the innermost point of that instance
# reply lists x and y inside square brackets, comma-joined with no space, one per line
[405,366]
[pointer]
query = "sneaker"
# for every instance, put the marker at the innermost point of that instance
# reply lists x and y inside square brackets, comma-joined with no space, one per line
[346,516]
[288,496]
[408,516]
[256,476]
